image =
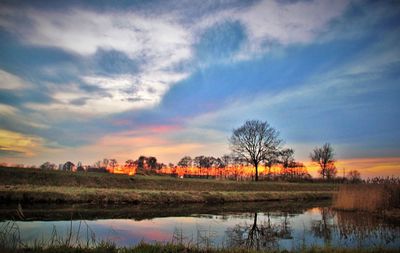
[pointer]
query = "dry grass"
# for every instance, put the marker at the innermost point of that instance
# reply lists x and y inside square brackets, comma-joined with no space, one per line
[367,197]
[35,177]
[54,194]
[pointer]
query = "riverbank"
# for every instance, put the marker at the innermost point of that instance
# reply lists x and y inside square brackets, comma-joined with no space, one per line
[36,177]
[29,186]
[63,194]
[173,248]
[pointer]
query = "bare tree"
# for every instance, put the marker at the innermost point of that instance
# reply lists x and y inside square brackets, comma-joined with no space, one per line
[113,163]
[354,176]
[287,157]
[272,159]
[324,157]
[254,141]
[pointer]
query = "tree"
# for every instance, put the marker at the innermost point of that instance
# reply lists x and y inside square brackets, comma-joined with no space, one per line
[68,166]
[142,162]
[113,163]
[254,142]
[354,176]
[152,162]
[185,162]
[202,162]
[129,163]
[331,171]
[48,166]
[287,157]
[272,159]
[324,157]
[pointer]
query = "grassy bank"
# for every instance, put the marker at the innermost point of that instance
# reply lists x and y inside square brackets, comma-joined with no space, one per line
[173,248]
[35,177]
[38,186]
[54,194]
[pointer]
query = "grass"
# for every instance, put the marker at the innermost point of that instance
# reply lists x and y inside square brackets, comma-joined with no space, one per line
[63,194]
[368,197]
[38,186]
[25,176]
[179,248]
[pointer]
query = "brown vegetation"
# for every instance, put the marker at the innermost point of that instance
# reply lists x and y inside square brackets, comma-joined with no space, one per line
[368,197]
[33,177]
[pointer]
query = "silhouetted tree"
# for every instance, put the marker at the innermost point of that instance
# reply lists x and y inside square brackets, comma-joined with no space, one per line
[203,163]
[331,171]
[113,163]
[254,141]
[141,162]
[185,162]
[287,157]
[324,157]
[130,165]
[354,176]
[152,162]
[48,166]
[68,166]
[272,159]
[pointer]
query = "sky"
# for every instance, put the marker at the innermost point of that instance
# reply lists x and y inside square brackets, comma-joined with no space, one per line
[82,81]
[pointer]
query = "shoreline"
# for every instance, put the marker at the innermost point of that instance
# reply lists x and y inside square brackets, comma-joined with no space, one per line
[29,194]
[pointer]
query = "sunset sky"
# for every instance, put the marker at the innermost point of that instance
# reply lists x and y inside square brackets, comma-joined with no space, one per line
[119,79]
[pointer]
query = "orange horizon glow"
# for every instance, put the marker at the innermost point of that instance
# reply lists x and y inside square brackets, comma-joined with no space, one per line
[368,167]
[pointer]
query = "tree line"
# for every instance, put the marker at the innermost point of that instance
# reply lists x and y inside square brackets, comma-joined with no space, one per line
[253,144]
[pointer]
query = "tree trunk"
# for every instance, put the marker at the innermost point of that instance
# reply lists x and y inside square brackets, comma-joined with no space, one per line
[256,172]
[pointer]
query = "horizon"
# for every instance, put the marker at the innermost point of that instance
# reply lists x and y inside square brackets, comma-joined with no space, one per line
[94,80]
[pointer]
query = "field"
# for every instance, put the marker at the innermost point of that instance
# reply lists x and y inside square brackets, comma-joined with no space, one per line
[37,186]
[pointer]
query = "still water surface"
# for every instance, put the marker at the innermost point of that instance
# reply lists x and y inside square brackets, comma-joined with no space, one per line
[260,229]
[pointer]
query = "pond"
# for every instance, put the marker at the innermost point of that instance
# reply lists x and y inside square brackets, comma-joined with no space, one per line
[250,225]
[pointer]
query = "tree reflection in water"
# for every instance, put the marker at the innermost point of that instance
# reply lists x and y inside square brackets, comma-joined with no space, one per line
[264,235]
[335,228]
[361,229]
[323,228]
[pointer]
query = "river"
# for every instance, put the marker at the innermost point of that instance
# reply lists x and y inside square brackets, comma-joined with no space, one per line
[249,225]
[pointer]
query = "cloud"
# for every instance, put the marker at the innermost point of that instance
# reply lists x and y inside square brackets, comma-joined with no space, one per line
[155,43]
[272,22]
[138,55]
[9,81]
[13,142]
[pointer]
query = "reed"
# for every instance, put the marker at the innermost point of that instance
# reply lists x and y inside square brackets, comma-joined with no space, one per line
[367,197]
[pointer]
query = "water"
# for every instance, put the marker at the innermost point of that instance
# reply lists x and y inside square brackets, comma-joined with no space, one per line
[264,228]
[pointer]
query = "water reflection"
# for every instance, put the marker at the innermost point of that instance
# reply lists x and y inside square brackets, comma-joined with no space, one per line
[259,235]
[324,227]
[264,229]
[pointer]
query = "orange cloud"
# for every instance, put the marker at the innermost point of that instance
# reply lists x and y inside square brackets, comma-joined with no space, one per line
[19,143]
